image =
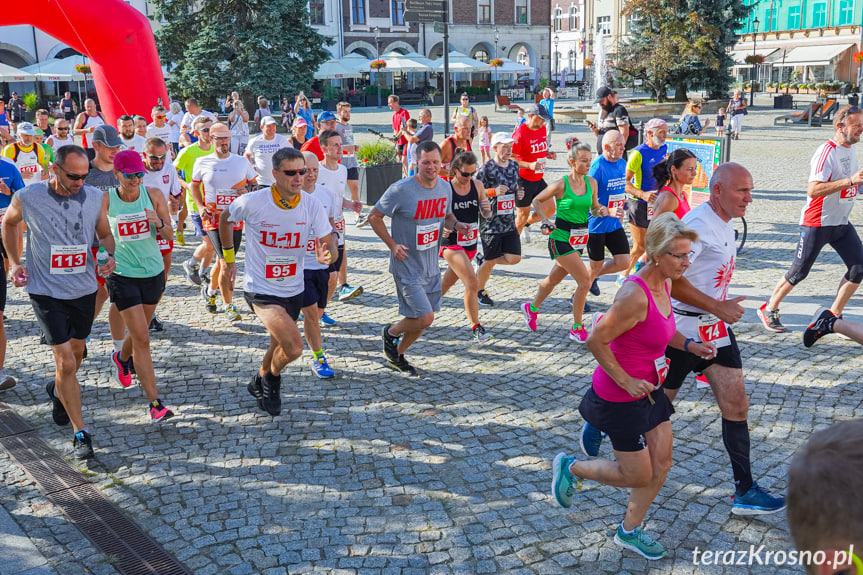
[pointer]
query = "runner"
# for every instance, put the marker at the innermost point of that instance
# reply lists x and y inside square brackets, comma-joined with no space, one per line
[575,196]
[531,152]
[672,176]
[68,107]
[400,121]
[10,183]
[500,242]
[137,217]
[131,140]
[5,134]
[627,400]
[27,155]
[86,123]
[281,220]
[42,122]
[160,128]
[326,121]
[453,145]
[298,133]
[349,158]
[465,110]
[468,202]
[834,176]
[418,206]
[61,136]
[202,257]
[140,126]
[62,215]
[217,180]
[614,117]
[262,147]
[187,124]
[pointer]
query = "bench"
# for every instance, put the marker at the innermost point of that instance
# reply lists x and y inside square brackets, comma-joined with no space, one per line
[808,116]
[503,102]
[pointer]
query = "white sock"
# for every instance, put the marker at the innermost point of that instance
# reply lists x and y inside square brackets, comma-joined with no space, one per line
[625,532]
[118,344]
[211,292]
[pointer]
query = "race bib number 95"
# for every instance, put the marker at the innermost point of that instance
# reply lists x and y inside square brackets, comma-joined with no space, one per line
[280,269]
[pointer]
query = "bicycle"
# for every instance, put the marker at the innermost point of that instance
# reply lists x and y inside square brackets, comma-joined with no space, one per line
[740,229]
[382,136]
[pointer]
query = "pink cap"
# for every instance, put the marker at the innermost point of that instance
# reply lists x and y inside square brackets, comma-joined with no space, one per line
[129,162]
[300,123]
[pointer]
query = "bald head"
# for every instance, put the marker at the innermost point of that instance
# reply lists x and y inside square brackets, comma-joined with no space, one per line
[312,168]
[731,190]
[613,145]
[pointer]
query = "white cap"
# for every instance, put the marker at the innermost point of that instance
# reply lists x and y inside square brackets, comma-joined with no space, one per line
[267,120]
[501,138]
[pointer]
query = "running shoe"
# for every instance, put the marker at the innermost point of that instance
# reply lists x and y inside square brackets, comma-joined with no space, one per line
[58,411]
[402,365]
[190,268]
[82,445]
[481,336]
[638,265]
[322,369]
[590,439]
[821,324]
[256,389]
[6,380]
[209,300]
[362,220]
[563,484]
[594,288]
[181,238]
[347,292]
[525,235]
[205,277]
[770,319]
[124,374]
[620,279]
[231,313]
[391,344]
[42,339]
[578,333]
[529,316]
[478,260]
[271,400]
[640,542]
[484,300]
[756,501]
[158,412]
[587,308]
[156,324]
[327,320]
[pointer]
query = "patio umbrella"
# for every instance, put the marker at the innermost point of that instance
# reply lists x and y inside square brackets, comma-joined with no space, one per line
[510,67]
[10,74]
[459,62]
[335,69]
[418,58]
[400,63]
[355,62]
[55,70]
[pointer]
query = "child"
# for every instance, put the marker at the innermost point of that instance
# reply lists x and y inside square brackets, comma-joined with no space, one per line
[412,148]
[720,122]
[520,119]
[484,139]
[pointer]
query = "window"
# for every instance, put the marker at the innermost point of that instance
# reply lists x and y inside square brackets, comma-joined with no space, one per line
[571,58]
[481,55]
[358,11]
[573,18]
[603,25]
[794,17]
[398,13]
[521,11]
[316,12]
[819,15]
[846,12]
[484,12]
[558,16]
[769,20]
[522,58]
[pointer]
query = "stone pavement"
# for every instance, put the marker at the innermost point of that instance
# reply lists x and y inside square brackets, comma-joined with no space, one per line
[373,472]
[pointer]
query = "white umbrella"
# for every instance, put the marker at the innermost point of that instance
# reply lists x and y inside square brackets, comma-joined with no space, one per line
[10,74]
[459,62]
[418,58]
[56,70]
[510,67]
[334,69]
[399,63]
[355,62]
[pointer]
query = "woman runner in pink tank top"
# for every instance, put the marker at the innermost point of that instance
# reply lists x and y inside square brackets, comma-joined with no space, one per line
[626,400]
[672,175]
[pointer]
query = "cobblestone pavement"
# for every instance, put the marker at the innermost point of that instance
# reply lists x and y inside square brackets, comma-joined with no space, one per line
[373,472]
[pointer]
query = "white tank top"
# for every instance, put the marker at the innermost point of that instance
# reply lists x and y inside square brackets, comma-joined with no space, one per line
[58,143]
[95,122]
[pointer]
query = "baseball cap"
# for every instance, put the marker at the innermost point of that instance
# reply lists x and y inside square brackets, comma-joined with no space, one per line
[539,110]
[107,135]
[267,120]
[603,92]
[129,162]
[299,123]
[39,133]
[326,117]
[501,138]
[26,129]
[655,123]
[219,130]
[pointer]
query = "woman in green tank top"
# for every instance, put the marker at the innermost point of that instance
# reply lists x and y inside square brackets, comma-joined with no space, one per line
[135,214]
[575,196]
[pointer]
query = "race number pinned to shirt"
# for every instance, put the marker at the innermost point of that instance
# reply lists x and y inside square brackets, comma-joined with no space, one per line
[340,224]
[225,198]
[427,236]
[540,165]
[649,212]
[661,364]
[578,237]
[711,328]
[66,260]
[469,238]
[2,214]
[848,193]
[133,227]
[311,246]
[506,204]
[280,269]
[616,204]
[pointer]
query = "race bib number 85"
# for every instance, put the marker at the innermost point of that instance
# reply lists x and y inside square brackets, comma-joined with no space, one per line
[427,236]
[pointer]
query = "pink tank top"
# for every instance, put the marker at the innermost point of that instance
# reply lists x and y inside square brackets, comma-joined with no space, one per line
[638,350]
[682,202]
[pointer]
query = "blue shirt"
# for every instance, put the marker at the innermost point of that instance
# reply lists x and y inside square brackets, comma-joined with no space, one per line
[10,176]
[308,117]
[641,162]
[611,179]
[549,106]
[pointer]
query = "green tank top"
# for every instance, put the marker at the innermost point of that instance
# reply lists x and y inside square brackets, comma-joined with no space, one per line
[572,209]
[137,253]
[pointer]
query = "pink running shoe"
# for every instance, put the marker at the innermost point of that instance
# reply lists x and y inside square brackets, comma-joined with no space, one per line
[124,374]
[158,412]
[529,316]
[578,334]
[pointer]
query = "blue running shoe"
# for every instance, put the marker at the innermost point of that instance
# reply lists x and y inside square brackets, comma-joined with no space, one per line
[590,439]
[640,542]
[327,320]
[757,501]
[562,482]
[594,288]
[638,265]
[322,369]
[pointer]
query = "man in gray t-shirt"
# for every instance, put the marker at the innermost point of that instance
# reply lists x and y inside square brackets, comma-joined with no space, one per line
[349,149]
[418,206]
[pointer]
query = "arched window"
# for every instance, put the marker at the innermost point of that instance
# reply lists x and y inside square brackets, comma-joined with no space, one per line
[573,18]
[558,16]
[481,55]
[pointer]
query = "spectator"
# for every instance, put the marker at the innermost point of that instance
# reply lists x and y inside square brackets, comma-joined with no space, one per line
[689,122]
[736,109]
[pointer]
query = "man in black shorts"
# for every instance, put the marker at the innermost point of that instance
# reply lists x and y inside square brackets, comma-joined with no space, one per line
[400,130]
[531,152]
[10,182]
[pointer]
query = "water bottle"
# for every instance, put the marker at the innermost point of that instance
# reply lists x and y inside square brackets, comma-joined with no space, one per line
[102,257]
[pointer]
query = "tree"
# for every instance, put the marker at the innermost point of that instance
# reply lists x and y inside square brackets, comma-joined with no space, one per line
[250,46]
[678,42]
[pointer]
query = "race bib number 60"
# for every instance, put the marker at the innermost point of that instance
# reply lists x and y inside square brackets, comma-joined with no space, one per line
[506,204]
[280,269]
[427,236]
[711,328]
[67,260]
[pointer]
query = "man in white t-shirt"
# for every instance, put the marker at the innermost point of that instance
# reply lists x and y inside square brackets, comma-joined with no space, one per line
[834,178]
[131,140]
[262,147]
[281,221]
[193,110]
[217,180]
[159,128]
[62,135]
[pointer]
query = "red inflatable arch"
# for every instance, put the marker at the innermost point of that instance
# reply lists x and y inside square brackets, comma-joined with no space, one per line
[118,40]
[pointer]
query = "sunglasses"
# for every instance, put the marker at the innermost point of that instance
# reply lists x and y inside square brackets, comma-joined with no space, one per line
[467,174]
[134,175]
[851,110]
[292,173]
[204,130]
[74,177]
[62,129]
[156,158]
[161,117]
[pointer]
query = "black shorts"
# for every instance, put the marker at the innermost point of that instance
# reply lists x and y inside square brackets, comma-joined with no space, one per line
[497,245]
[292,304]
[637,212]
[843,239]
[337,265]
[626,422]
[64,319]
[217,242]
[615,241]
[316,286]
[128,292]
[557,248]
[683,362]
[353,174]
[400,149]
[531,190]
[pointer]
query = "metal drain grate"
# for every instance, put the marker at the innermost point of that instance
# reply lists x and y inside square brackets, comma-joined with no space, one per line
[133,551]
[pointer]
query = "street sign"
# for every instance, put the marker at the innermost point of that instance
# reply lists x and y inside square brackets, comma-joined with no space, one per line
[423,16]
[425,5]
[438,27]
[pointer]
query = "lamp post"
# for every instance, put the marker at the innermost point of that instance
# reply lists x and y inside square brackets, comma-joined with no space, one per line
[496,76]
[556,55]
[378,54]
[752,72]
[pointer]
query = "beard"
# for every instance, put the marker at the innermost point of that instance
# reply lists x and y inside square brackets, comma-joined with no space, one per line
[608,107]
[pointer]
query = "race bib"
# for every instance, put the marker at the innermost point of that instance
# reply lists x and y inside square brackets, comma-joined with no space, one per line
[469,238]
[578,237]
[616,202]
[2,214]
[225,198]
[66,260]
[427,236]
[661,364]
[848,193]
[280,269]
[340,225]
[311,246]
[540,165]
[649,212]
[506,204]
[133,227]
[711,328]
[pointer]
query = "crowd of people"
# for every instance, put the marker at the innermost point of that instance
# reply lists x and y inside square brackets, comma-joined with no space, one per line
[102,218]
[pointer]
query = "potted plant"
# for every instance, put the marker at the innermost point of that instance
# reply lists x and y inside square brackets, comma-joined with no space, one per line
[31,100]
[379,168]
[435,97]
[331,98]
[354,98]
